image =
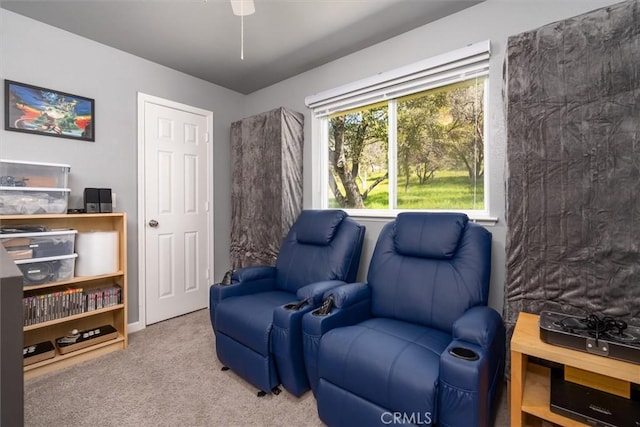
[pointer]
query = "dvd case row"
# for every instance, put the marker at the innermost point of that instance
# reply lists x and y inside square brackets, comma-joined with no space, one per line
[55,305]
[102,298]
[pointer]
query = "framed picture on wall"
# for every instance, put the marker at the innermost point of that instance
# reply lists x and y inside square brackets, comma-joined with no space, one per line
[42,111]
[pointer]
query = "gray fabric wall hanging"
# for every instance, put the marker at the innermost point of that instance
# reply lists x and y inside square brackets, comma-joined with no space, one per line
[573,191]
[266,192]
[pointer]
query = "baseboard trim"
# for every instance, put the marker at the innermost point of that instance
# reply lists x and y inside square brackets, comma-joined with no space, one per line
[135,327]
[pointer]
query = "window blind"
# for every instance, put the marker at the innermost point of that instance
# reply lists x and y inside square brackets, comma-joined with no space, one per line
[451,67]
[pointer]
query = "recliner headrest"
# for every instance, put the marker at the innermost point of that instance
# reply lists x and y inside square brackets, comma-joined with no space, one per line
[317,227]
[429,235]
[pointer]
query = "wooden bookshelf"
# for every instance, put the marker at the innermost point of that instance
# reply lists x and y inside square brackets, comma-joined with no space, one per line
[115,315]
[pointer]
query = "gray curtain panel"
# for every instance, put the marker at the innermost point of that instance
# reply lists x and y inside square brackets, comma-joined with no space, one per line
[573,190]
[266,192]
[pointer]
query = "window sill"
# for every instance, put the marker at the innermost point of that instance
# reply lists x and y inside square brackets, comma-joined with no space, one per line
[385,215]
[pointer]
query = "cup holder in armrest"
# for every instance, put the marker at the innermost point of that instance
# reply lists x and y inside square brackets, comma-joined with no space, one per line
[464,353]
[290,306]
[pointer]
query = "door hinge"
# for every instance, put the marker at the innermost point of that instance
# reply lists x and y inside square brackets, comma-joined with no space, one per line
[206,136]
[206,206]
[207,274]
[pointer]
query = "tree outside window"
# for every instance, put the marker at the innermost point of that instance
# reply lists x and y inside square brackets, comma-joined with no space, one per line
[437,151]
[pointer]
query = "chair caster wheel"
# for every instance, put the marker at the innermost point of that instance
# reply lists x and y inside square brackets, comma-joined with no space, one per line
[225,368]
[262,393]
[276,391]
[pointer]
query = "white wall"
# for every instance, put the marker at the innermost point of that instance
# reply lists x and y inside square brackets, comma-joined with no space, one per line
[493,20]
[35,53]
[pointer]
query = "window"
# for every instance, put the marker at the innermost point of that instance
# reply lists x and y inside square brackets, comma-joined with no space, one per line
[413,138]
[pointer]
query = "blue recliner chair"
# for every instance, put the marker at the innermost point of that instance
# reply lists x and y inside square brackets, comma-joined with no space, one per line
[257,317]
[417,344]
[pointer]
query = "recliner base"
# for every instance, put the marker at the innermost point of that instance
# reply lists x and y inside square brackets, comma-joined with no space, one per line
[338,407]
[254,367]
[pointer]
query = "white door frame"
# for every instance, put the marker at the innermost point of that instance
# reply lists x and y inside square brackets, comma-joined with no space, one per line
[142,278]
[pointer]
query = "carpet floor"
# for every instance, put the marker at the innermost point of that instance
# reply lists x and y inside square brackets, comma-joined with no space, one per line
[168,376]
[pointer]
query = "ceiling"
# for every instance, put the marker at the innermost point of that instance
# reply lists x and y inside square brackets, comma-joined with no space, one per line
[282,38]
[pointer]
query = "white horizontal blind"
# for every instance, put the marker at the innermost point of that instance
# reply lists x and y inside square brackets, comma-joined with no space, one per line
[452,67]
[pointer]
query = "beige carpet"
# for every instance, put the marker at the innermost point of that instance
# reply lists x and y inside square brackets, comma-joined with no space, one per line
[168,376]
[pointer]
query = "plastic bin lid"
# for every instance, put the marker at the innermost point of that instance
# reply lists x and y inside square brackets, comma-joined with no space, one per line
[38,234]
[49,258]
[46,189]
[21,162]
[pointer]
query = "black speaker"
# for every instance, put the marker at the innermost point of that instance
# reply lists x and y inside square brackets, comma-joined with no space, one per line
[106,204]
[91,200]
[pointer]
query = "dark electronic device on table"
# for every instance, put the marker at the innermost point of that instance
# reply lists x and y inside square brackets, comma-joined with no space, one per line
[602,336]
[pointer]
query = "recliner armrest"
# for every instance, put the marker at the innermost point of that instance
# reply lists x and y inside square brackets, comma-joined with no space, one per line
[316,291]
[248,274]
[348,295]
[339,317]
[356,308]
[245,281]
[286,345]
[352,304]
[472,367]
[479,326]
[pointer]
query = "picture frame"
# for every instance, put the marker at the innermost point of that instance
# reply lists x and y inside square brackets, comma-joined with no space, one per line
[41,111]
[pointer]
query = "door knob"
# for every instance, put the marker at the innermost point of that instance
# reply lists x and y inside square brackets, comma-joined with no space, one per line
[153,223]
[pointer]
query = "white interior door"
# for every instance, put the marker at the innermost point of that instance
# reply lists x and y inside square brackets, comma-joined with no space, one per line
[177,218]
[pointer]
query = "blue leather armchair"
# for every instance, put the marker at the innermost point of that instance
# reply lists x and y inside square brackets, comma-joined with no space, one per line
[256,320]
[417,344]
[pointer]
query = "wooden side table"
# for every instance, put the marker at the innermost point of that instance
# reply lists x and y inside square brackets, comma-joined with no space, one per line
[530,381]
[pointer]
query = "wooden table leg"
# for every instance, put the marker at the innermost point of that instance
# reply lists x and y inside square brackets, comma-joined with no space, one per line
[518,374]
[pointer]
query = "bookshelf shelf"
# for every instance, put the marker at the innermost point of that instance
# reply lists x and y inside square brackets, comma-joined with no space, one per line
[115,315]
[72,318]
[74,281]
[64,360]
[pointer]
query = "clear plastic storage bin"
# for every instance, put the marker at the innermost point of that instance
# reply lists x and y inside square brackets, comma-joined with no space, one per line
[39,245]
[40,271]
[15,173]
[33,200]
